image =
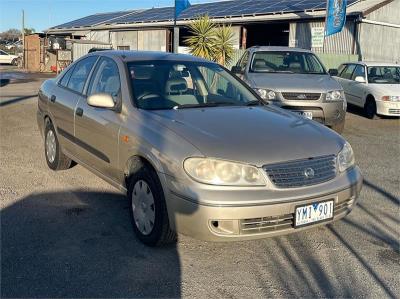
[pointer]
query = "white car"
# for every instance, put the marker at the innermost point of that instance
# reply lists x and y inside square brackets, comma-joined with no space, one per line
[8,58]
[374,86]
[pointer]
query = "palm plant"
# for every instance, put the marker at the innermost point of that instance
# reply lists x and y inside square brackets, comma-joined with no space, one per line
[202,40]
[223,45]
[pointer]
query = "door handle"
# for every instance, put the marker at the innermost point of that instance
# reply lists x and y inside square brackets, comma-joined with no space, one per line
[53,98]
[79,111]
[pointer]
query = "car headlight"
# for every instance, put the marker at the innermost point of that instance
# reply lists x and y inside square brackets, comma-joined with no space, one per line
[346,157]
[266,94]
[391,98]
[220,172]
[335,95]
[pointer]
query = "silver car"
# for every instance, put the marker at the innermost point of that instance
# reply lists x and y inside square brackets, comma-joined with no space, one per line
[296,80]
[195,149]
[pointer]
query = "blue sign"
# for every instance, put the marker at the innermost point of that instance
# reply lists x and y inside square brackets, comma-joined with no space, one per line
[335,16]
[180,5]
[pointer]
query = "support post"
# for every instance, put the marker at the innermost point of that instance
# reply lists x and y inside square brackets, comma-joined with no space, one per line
[23,39]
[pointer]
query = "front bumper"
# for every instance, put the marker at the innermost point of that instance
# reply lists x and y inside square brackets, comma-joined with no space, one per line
[327,113]
[388,108]
[227,222]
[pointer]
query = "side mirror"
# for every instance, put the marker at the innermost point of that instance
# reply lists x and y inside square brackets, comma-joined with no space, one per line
[359,79]
[333,72]
[101,100]
[236,69]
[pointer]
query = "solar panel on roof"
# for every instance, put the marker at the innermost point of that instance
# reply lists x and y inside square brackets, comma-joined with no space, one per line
[232,8]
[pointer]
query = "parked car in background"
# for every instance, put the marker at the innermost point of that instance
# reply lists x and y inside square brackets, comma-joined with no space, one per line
[195,149]
[374,86]
[8,58]
[294,79]
[12,45]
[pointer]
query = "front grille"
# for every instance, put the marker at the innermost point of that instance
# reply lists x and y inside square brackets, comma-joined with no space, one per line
[301,96]
[302,173]
[394,111]
[283,222]
[266,224]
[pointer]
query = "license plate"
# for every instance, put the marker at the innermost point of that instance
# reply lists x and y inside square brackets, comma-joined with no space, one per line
[305,114]
[313,213]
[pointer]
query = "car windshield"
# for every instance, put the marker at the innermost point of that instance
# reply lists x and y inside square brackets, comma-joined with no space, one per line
[384,74]
[180,85]
[286,62]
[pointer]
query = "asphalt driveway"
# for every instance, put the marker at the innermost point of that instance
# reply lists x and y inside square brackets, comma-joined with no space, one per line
[68,234]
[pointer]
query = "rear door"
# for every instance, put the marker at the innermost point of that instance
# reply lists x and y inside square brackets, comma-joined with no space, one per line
[4,57]
[346,82]
[97,129]
[357,89]
[64,99]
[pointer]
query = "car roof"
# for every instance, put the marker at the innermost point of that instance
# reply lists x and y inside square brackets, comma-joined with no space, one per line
[372,63]
[128,56]
[276,48]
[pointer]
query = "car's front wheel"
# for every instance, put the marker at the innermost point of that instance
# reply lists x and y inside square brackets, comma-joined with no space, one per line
[14,61]
[55,158]
[148,210]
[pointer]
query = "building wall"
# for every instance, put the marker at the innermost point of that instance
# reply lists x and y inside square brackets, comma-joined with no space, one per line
[389,13]
[300,35]
[378,42]
[152,40]
[32,53]
[99,35]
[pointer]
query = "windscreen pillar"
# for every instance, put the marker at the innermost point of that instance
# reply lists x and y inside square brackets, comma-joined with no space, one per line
[176,39]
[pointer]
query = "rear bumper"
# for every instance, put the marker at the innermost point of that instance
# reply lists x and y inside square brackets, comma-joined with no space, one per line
[388,108]
[227,223]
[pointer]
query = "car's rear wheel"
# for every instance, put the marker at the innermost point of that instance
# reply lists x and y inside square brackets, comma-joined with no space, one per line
[148,210]
[370,108]
[55,158]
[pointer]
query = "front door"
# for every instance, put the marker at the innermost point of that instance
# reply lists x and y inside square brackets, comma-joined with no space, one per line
[64,99]
[97,129]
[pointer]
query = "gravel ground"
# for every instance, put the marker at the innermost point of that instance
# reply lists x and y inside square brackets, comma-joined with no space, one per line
[68,234]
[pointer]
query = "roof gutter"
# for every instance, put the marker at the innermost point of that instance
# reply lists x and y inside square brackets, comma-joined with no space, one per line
[379,23]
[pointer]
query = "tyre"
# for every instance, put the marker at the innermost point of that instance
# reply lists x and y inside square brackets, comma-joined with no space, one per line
[14,61]
[338,128]
[55,158]
[370,108]
[148,209]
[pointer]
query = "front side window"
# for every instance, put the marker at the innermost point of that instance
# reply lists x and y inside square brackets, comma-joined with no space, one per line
[384,74]
[167,85]
[105,78]
[3,53]
[286,62]
[243,61]
[80,73]
[348,71]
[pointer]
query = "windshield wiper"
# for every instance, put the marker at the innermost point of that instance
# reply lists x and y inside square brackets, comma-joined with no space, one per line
[203,105]
[256,103]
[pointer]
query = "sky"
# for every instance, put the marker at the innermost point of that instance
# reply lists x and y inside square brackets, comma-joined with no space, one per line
[42,14]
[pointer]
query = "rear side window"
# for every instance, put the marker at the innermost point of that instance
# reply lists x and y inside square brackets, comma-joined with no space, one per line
[106,78]
[65,78]
[80,73]
[348,71]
